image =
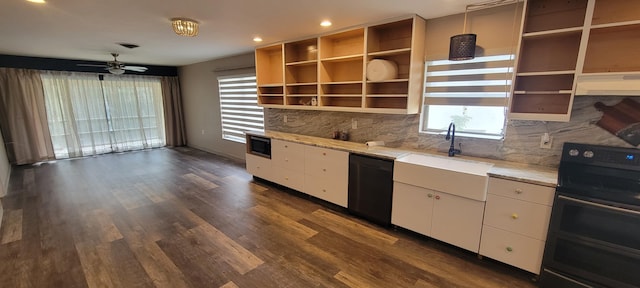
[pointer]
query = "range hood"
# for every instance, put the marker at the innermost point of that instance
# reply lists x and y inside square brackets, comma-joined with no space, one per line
[608,85]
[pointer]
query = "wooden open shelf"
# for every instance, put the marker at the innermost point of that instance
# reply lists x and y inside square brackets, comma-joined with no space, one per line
[331,69]
[342,44]
[556,103]
[615,11]
[301,51]
[390,36]
[342,101]
[545,82]
[306,73]
[341,71]
[545,15]
[269,65]
[613,49]
[302,89]
[550,53]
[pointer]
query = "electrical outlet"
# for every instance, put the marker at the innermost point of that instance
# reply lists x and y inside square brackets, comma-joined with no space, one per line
[202,131]
[285,118]
[354,123]
[545,141]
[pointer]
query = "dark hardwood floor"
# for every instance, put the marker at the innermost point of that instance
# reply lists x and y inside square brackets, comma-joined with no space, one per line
[186,218]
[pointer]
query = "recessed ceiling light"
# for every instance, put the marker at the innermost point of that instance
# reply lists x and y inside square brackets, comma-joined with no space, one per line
[257,39]
[325,23]
[37,1]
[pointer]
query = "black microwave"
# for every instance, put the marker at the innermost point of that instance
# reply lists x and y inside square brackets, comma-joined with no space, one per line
[260,146]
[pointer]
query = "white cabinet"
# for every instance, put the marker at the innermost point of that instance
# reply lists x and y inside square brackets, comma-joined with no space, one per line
[452,219]
[259,167]
[319,172]
[288,163]
[327,174]
[515,223]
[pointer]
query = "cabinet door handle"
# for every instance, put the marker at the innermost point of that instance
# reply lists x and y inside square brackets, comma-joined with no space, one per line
[430,195]
[514,216]
[518,191]
[286,146]
[324,170]
[324,190]
[437,197]
[324,154]
[509,249]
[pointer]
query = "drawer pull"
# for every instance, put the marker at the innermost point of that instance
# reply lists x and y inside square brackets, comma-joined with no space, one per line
[286,146]
[518,191]
[430,195]
[324,170]
[509,249]
[324,190]
[324,154]
[514,216]
[437,197]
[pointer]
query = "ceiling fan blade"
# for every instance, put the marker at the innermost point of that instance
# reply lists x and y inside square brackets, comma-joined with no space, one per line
[92,65]
[135,68]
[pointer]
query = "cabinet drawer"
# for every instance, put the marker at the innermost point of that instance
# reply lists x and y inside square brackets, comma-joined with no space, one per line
[331,190]
[522,191]
[259,166]
[323,161]
[511,248]
[526,218]
[293,179]
[287,155]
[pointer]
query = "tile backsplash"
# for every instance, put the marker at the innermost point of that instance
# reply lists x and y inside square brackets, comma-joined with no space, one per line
[521,143]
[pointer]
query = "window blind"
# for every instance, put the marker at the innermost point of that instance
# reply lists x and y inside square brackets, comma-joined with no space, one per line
[239,109]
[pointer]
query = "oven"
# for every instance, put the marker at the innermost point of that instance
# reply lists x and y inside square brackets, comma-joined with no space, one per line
[259,145]
[594,231]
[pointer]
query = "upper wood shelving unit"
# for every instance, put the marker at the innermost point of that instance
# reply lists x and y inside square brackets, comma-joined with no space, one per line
[550,49]
[329,72]
[563,40]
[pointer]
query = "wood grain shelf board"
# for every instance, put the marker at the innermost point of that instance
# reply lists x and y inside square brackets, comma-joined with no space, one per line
[342,95]
[543,92]
[341,82]
[387,95]
[544,73]
[615,24]
[271,85]
[302,84]
[390,52]
[347,58]
[389,81]
[303,63]
[301,95]
[539,116]
[270,95]
[552,32]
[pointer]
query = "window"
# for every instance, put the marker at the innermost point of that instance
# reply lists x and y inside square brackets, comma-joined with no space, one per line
[472,94]
[89,116]
[239,109]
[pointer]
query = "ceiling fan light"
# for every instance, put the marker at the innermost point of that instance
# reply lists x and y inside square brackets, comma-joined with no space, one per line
[116,71]
[185,27]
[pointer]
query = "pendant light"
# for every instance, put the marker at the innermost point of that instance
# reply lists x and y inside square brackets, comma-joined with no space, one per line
[463,46]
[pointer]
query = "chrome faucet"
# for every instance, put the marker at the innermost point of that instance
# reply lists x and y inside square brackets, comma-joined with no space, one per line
[451,134]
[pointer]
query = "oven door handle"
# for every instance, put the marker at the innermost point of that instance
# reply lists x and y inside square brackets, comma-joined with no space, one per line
[599,205]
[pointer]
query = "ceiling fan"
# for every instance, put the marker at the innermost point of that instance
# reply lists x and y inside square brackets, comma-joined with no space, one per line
[116,67]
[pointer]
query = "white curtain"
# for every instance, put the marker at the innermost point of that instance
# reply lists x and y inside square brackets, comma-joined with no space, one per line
[88,116]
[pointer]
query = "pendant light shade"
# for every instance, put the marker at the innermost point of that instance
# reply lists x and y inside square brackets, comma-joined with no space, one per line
[462,47]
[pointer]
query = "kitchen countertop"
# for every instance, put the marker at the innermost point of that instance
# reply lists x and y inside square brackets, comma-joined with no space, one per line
[540,175]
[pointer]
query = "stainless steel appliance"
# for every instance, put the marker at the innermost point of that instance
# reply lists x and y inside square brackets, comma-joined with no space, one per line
[594,232]
[260,146]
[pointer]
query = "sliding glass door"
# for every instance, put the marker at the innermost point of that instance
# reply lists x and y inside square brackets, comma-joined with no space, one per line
[88,115]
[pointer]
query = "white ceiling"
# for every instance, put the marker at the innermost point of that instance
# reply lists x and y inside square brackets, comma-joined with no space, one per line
[90,29]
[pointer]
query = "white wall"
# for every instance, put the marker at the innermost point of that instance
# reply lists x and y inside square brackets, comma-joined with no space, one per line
[201,103]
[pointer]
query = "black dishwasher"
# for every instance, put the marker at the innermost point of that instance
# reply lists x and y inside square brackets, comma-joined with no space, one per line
[370,188]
